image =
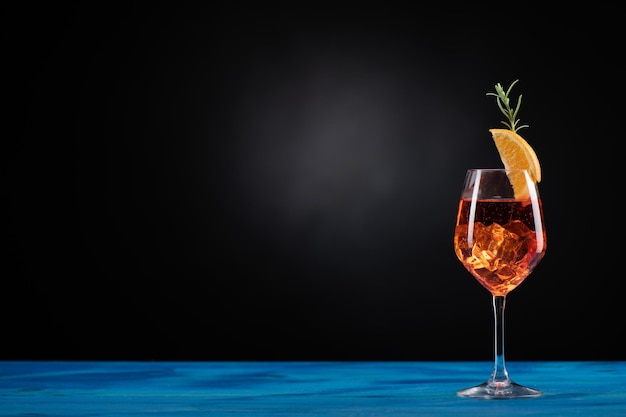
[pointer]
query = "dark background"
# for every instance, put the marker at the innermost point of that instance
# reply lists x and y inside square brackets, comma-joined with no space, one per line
[218,182]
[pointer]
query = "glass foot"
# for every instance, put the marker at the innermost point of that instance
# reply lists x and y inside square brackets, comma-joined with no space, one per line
[499,390]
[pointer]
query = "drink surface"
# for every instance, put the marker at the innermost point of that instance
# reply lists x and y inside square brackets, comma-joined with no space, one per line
[499,246]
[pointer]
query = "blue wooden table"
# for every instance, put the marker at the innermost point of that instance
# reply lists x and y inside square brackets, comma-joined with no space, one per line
[36,388]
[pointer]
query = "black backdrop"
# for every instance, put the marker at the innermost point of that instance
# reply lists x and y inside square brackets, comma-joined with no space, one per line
[216,183]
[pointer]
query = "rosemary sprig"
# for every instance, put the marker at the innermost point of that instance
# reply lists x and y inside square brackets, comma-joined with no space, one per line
[503,101]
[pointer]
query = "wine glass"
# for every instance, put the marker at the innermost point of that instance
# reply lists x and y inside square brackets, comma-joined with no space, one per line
[499,237]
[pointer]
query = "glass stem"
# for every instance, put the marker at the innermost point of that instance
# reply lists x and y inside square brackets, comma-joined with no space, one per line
[500,376]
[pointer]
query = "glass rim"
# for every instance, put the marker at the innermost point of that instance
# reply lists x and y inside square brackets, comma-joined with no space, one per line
[498,169]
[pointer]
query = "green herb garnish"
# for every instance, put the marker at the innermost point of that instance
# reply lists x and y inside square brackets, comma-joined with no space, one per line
[503,101]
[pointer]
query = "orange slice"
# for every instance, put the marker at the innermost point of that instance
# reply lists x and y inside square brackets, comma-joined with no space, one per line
[516,153]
